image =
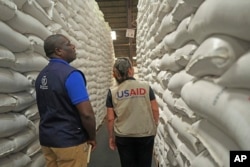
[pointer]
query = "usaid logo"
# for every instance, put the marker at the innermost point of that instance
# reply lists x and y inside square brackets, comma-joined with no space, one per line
[239,158]
[130,93]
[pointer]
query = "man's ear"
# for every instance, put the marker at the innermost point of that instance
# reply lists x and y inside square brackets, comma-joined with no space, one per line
[58,52]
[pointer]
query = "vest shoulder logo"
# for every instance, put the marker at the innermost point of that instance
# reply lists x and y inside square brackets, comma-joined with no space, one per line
[44,83]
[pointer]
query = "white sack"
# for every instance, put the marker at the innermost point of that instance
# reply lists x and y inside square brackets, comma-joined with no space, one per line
[19,3]
[13,40]
[7,58]
[238,75]
[12,81]
[217,142]
[152,30]
[164,9]
[182,108]
[45,3]
[7,9]
[12,123]
[82,53]
[37,44]
[62,9]
[24,100]
[157,88]
[6,147]
[34,9]
[26,62]
[32,75]
[153,64]
[221,17]
[180,146]
[15,160]
[167,25]
[74,25]
[169,98]
[56,17]
[150,44]
[182,128]
[7,103]
[194,3]
[180,36]
[163,78]
[33,148]
[26,24]
[153,12]
[54,27]
[228,109]
[38,160]
[203,158]
[31,112]
[24,138]
[215,55]
[178,80]
[183,55]
[168,63]
[182,10]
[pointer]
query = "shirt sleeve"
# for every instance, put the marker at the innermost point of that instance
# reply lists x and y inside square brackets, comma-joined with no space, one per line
[109,102]
[76,88]
[151,94]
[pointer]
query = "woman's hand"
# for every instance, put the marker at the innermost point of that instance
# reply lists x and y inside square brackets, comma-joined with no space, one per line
[112,144]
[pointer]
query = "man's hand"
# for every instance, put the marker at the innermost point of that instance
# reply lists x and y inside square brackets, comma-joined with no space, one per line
[93,144]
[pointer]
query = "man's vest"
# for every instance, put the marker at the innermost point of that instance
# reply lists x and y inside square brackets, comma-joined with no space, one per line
[60,123]
[131,103]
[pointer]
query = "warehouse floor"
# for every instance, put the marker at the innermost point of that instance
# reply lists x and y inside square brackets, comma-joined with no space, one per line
[103,156]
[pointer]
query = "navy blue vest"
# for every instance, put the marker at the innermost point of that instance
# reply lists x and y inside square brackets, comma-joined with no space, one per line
[60,123]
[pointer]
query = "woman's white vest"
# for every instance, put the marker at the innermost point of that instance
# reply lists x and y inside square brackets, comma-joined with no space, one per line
[134,117]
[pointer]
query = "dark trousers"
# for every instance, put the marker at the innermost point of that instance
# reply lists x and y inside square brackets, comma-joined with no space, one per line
[135,151]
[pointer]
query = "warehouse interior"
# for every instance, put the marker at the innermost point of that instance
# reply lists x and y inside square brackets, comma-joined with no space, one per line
[194,54]
[121,16]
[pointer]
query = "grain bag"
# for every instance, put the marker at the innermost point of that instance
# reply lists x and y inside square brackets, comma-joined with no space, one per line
[221,17]
[7,103]
[27,62]
[24,100]
[34,9]
[12,81]
[227,108]
[237,76]
[13,40]
[7,58]
[216,141]
[26,24]
[178,80]
[15,160]
[215,55]
[7,10]
[12,123]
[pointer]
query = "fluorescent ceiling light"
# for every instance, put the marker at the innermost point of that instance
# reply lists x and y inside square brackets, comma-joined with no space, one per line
[113,35]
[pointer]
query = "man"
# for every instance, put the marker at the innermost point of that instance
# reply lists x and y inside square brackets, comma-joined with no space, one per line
[67,122]
[132,115]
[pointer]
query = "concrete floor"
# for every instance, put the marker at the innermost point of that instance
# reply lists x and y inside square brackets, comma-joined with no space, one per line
[103,156]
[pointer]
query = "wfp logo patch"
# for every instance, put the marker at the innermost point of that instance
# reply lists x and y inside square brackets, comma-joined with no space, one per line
[44,82]
[128,93]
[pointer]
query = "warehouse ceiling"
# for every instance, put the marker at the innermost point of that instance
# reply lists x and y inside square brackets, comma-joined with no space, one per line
[121,17]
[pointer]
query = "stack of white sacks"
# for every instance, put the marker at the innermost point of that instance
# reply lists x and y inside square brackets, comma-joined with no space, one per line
[198,56]
[24,24]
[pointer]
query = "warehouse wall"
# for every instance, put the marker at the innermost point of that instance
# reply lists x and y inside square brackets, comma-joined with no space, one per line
[195,54]
[24,24]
